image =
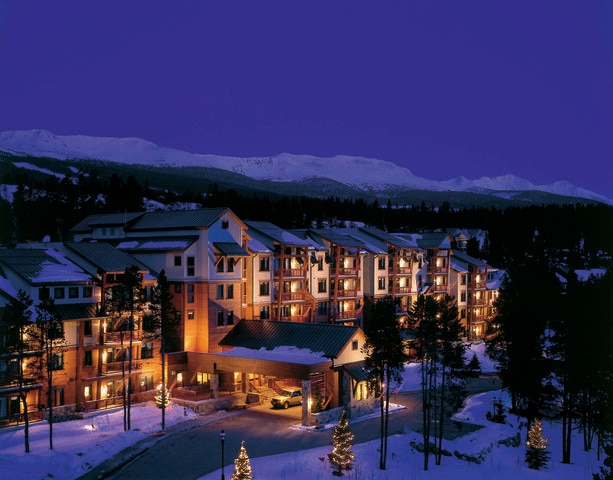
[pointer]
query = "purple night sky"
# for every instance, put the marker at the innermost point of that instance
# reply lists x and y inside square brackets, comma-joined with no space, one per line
[445,88]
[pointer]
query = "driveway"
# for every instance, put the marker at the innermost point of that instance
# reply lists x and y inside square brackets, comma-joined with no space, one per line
[193,449]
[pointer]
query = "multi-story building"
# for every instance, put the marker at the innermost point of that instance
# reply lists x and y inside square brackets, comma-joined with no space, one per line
[474,295]
[203,254]
[222,270]
[345,256]
[284,265]
[92,368]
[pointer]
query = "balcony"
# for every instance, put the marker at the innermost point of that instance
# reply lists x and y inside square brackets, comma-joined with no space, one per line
[114,367]
[400,270]
[115,337]
[400,290]
[289,272]
[439,288]
[344,272]
[346,293]
[291,297]
[346,315]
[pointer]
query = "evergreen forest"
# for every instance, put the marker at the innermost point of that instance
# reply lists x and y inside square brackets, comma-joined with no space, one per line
[575,234]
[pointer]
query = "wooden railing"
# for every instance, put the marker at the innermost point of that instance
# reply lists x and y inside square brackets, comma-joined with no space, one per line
[116,366]
[115,337]
[289,272]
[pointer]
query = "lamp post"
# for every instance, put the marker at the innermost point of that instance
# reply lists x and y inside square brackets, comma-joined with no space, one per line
[222,436]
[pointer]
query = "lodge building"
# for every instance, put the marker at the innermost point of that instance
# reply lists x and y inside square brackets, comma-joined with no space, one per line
[258,307]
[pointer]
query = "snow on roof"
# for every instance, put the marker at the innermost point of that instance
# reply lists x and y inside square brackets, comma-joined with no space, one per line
[286,354]
[258,247]
[63,271]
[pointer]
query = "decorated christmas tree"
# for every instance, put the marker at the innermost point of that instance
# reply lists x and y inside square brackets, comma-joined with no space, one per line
[242,467]
[342,456]
[162,397]
[536,456]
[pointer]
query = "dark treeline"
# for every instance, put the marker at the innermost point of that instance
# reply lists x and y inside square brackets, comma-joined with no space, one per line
[53,206]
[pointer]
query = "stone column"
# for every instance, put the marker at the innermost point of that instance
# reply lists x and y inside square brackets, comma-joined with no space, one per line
[306,396]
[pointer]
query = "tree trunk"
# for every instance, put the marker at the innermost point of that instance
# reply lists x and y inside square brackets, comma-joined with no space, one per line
[129,393]
[50,398]
[382,432]
[441,419]
[123,377]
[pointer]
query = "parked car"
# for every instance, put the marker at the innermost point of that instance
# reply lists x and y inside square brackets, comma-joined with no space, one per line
[289,397]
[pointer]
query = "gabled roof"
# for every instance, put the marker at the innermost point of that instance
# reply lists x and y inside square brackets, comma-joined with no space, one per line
[367,242]
[39,266]
[459,255]
[104,256]
[339,239]
[178,219]
[386,237]
[318,337]
[268,233]
[434,240]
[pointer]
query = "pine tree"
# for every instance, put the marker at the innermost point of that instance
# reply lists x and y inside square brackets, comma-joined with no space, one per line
[342,439]
[385,357]
[536,456]
[242,467]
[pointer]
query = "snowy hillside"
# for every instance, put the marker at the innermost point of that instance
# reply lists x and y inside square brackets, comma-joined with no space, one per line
[284,167]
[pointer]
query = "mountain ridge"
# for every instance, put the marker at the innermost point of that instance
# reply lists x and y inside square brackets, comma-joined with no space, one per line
[383,176]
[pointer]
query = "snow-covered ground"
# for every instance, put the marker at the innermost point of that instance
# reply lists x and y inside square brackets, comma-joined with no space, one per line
[81,444]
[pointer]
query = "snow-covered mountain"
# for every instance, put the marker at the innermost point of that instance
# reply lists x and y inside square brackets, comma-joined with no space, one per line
[285,167]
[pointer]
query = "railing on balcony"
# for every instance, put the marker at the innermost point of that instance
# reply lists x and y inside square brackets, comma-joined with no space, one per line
[347,293]
[115,337]
[344,271]
[478,302]
[291,297]
[400,270]
[113,367]
[346,315]
[289,272]
[400,290]
[439,288]
[440,269]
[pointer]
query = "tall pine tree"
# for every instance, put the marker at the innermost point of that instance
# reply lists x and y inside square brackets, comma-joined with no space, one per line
[385,358]
[159,322]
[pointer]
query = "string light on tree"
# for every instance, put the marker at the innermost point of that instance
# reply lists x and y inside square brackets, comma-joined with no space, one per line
[536,456]
[162,396]
[242,467]
[341,456]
